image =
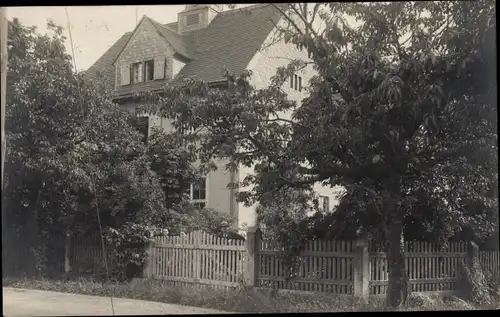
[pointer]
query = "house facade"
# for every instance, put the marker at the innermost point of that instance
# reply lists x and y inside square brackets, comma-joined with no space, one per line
[200,44]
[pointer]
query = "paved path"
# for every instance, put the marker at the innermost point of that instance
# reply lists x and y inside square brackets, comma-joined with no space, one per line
[25,302]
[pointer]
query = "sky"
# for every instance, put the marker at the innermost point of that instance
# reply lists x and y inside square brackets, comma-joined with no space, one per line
[93,28]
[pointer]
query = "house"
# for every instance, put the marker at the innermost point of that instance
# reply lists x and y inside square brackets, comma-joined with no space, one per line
[203,41]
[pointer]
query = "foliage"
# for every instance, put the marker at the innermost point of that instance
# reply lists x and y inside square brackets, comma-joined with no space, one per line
[72,153]
[401,114]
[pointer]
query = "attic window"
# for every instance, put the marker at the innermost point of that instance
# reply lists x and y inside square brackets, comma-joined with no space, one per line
[296,82]
[149,70]
[193,19]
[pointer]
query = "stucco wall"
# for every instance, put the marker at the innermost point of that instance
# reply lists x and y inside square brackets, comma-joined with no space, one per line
[264,66]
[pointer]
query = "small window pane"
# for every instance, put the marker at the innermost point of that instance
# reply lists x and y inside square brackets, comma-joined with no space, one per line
[295,82]
[291,81]
[300,83]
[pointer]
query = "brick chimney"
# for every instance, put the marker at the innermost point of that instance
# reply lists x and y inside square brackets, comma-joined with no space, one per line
[196,16]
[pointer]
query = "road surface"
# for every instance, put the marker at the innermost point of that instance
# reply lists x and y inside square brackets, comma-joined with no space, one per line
[25,302]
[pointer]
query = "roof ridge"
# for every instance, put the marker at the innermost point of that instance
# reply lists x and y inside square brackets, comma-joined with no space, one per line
[156,23]
[250,7]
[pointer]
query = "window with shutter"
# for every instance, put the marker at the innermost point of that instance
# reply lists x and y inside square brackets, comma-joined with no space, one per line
[159,65]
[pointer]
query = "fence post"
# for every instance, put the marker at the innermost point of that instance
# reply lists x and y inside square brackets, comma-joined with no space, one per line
[67,253]
[472,254]
[361,270]
[252,245]
[147,270]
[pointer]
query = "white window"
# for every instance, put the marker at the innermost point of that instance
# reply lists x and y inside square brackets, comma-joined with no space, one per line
[142,71]
[137,73]
[324,203]
[198,193]
[296,82]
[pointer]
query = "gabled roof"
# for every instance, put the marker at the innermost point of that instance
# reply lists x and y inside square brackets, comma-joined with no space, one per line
[230,40]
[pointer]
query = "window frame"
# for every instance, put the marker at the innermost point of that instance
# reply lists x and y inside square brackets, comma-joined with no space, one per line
[325,203]
[152,75]
[205,189]
[296,82]
[132,73]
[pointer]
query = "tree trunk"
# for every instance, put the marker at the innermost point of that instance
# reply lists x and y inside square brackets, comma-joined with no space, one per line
[397,290]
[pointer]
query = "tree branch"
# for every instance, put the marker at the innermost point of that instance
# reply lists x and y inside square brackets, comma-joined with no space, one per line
[287,18]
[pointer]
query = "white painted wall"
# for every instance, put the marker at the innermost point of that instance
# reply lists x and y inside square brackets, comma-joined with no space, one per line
[263,66]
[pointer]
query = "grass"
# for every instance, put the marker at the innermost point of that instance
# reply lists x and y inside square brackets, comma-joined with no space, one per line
[235,300]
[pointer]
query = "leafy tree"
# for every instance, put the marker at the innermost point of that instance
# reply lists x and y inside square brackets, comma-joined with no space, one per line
[401,114]
[71,152]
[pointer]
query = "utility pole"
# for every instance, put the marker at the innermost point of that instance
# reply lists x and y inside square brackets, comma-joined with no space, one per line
[3,79]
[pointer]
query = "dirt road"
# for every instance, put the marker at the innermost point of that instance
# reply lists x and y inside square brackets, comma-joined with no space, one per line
[24,302]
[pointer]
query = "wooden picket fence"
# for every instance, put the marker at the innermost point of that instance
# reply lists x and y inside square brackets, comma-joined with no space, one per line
[323,266]
[197,257]
[429,267]
[337,267]
[490,262]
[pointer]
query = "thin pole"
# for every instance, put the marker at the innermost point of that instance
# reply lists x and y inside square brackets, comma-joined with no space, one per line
[3,92]
[71,38]
[3,88]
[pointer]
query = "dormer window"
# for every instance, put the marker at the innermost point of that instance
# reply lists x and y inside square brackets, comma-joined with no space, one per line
[149,73]
[142,71]
[193,19]
[137,73]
